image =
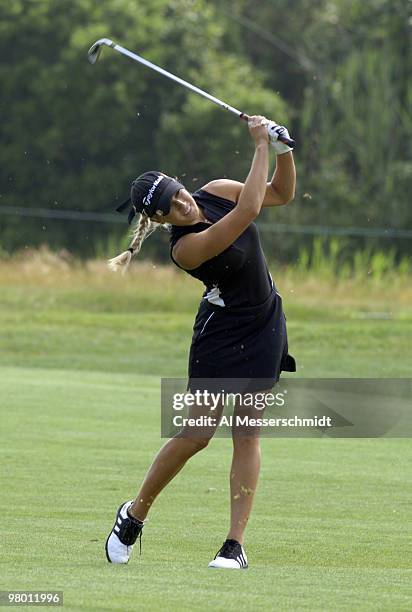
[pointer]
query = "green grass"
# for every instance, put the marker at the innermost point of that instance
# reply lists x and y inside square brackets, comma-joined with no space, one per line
[329,528]
[80,363]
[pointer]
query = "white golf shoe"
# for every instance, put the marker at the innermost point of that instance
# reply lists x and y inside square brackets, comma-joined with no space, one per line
[230,556]
[126,530]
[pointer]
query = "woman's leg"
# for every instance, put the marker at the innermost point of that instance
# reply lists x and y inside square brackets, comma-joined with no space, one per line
[167,463]
[244,471]
[171,458]
[244,474]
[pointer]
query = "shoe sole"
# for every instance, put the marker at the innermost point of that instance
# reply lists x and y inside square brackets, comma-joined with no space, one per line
[227,568]
[105,548]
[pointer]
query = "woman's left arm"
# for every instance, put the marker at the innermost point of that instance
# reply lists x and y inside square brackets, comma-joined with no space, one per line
[280,191]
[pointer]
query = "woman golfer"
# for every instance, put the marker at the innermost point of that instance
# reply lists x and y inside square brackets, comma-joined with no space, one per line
[239,331]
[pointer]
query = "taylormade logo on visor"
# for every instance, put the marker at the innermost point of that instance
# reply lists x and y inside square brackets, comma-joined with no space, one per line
[148,197]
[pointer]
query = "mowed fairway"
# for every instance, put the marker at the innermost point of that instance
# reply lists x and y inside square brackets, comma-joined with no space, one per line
[81,358]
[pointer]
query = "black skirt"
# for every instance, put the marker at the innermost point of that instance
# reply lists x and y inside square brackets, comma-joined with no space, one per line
[248,343]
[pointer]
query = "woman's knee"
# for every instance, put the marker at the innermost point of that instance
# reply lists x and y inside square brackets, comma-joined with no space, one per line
[245,443]
[200,443]
[194,444]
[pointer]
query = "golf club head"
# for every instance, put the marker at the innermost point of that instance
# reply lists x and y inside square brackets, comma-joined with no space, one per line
[94,51]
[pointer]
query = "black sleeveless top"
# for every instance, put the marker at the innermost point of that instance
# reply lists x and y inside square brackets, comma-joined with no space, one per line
[239,276]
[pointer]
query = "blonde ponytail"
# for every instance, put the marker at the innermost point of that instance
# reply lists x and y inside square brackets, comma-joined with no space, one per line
[143,229]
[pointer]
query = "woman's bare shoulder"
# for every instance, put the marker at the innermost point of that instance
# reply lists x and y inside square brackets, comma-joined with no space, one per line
[224,188]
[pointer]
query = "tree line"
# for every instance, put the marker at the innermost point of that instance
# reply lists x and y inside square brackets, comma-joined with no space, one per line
[337,73]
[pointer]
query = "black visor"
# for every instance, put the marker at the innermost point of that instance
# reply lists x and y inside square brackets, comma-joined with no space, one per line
[152,192]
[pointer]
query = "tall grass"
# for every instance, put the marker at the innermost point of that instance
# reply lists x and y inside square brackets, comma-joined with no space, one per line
[368,281]
[330,260]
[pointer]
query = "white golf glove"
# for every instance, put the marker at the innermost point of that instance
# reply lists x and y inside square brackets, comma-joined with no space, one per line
[274,131]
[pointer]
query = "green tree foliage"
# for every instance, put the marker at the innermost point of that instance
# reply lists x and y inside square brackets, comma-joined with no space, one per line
[359,105]
[344,69]
[76,134]
[337,72]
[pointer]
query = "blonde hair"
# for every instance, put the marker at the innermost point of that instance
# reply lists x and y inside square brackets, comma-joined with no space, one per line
[143,228]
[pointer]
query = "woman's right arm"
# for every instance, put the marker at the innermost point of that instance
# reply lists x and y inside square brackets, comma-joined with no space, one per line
[194,249]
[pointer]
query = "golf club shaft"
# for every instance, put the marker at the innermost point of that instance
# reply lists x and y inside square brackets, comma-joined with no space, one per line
[165,73]
[94,50]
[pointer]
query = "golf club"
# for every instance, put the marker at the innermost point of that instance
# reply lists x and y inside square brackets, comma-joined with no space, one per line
[94,53]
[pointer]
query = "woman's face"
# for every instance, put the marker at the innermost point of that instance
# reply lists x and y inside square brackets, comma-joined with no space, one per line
[183,210]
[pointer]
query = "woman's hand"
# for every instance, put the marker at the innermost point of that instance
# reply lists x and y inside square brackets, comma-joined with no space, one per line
[258,128]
